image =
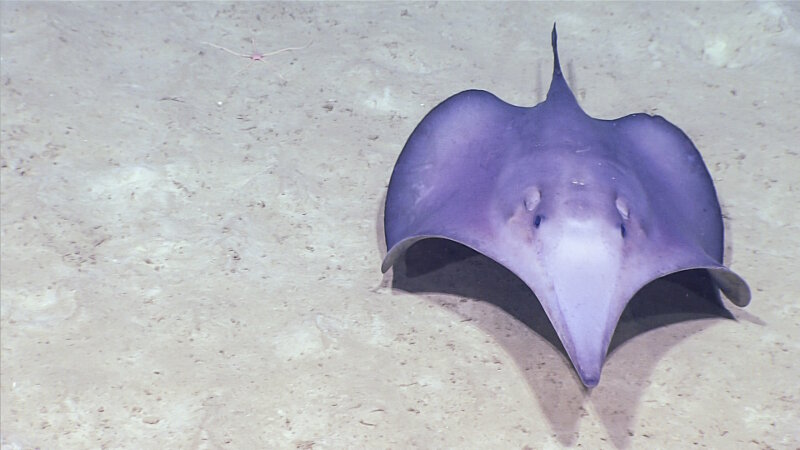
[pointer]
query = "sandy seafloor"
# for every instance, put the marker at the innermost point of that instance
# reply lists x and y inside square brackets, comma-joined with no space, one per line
[191,241]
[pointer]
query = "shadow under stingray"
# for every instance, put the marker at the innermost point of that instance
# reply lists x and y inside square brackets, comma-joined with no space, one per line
[446,267]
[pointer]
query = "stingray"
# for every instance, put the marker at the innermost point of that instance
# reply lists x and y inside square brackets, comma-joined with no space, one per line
[584,211]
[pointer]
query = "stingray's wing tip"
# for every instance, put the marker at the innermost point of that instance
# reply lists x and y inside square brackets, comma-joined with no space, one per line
[387,263]
[732,285]
[391,257]
[398,248]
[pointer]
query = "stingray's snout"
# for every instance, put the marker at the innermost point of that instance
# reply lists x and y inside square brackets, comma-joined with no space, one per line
[585,335]
[589,372]
[584,263]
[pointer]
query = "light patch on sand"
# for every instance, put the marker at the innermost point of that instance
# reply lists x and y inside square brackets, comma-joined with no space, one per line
[39,308]
[382,102]
[717,52]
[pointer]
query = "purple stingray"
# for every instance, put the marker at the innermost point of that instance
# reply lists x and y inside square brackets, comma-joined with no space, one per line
[585,211]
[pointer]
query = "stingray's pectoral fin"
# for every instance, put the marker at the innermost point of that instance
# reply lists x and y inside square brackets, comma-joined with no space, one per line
[399,249]
[732,285]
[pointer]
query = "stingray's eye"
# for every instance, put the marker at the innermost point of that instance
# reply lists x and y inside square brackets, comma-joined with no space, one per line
[622,230]
[537,221]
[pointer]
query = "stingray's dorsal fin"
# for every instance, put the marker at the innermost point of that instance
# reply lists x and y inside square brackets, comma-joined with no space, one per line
[559,90]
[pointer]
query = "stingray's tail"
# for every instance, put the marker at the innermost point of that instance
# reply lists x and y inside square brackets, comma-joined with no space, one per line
[556,63]
[559,90]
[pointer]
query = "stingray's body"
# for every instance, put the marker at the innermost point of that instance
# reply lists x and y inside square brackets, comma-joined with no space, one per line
[585,211]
